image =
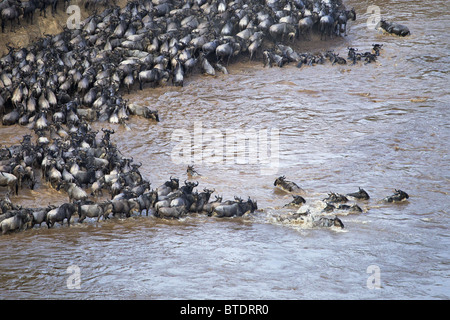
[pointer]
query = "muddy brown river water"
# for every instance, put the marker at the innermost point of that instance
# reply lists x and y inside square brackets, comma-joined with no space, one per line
[379,126]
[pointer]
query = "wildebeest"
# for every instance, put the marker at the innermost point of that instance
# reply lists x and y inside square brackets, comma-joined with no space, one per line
[178,74]
[9,180]
[327,26]
[286,185]
[45,3]
[96,210]
[73,190]
[327,222]
[40,215]
[354,208]
[124,206]
[201,200]
[167,187]
[65,211]
[20,220]
[191,172]
[296,202]
[361,194]
[237,209]
[171,212]
[147,201]
[143,111]
[209,207]
[281,30]
[343,17]
[394,28]
[399,195]
[335,197]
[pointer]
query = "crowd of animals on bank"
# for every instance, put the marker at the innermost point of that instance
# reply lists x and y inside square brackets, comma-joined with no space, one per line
[145,43]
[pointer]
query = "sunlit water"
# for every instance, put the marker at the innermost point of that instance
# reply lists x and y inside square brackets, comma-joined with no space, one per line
[379,126]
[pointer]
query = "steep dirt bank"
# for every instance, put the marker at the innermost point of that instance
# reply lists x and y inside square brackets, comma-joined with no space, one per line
[26,33]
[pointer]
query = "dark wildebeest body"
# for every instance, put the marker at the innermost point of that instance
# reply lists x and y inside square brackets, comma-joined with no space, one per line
[237,209]
[335,197]
[65,211]
[395,28]
[96,210]
[343,17]
[328,222]
[399,195]
[287,186]
[296,202]
[327,26]
[361,194]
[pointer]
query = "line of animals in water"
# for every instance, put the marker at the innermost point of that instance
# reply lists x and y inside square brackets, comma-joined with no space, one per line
[334,202]
[282,55]
[172,201]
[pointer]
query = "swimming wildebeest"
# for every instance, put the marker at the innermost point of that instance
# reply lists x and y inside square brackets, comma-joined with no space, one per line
[328,222]
[335,197]
[286,185]
[361,194]
[394,28]
[399,195]
[296,202]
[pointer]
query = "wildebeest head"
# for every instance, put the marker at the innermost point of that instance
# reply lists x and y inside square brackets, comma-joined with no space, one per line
[298,199]
[189,186]
[279,180]
[173,183]
[402,194]
[383,24]
[253,204]
[338,223]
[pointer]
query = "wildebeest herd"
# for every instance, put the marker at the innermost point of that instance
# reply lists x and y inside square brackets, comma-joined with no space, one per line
[59,84]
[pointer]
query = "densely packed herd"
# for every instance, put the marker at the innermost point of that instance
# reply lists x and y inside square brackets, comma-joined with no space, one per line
[59,84]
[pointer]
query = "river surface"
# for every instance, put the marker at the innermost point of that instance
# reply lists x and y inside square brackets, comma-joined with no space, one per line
[381,126]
